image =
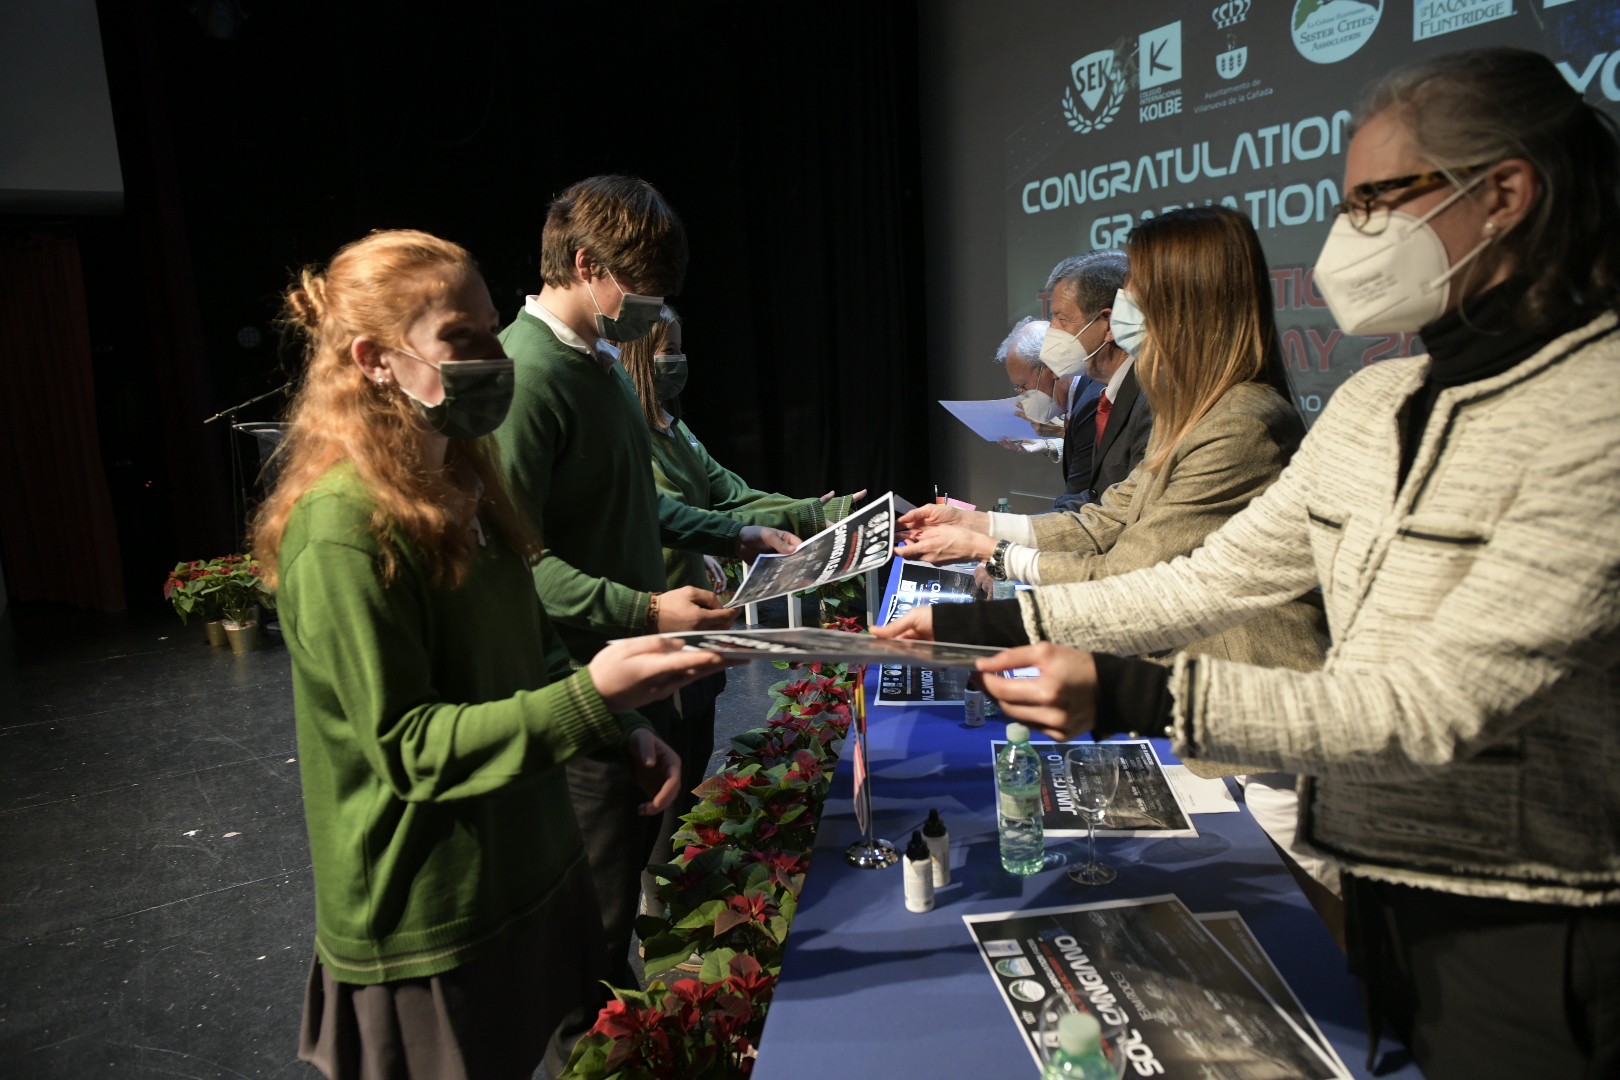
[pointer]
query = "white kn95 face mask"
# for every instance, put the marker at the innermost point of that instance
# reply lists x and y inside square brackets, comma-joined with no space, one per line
[1396,279]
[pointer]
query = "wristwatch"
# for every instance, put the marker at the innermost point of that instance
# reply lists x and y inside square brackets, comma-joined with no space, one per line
[996,565]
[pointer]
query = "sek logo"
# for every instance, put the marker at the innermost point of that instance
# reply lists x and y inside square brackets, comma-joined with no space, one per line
[1231,62]
[1100,79]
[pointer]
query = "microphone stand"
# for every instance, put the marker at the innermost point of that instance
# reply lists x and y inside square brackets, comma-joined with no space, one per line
[238,493]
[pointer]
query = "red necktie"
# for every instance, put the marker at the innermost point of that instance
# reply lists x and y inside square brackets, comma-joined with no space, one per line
[1104,407]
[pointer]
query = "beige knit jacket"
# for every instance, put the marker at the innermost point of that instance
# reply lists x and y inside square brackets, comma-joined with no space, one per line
[1464,733]
[1234,452]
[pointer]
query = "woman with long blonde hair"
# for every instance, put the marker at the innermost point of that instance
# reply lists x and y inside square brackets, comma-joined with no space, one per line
[456,927]
[1196,312]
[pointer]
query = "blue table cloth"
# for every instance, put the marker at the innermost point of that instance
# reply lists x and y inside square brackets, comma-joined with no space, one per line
[869,989]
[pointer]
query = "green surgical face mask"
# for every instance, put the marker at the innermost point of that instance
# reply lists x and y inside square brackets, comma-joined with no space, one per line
[477,395]
[669,375]
[637,315]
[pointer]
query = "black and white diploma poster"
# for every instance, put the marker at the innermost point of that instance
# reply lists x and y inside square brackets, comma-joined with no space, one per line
[861,542]
[922,585]
[1170,1000]
[1234,935]
[1145,804]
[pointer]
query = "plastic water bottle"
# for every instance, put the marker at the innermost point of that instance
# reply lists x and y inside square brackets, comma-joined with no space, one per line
[1079,1053]
[1018,788]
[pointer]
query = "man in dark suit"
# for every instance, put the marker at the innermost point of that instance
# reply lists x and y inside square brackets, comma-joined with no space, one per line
[1079,442]
[1082,290]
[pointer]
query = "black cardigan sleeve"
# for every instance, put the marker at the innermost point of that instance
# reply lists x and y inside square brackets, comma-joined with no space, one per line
[993,622]
[1132,694]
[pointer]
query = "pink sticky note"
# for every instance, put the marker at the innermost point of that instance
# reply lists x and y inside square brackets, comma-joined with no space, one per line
[960,505]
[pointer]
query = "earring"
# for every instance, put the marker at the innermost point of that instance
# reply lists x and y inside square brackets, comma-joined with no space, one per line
[1490,228]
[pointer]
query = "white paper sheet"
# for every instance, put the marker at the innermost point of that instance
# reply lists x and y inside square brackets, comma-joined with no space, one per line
[1200,794]
[992,420]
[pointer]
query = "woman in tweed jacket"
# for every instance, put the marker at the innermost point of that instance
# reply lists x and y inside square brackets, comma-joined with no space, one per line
[1461,513]
[1224,429]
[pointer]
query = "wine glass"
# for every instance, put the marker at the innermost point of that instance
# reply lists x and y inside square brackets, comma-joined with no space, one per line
[1092,771]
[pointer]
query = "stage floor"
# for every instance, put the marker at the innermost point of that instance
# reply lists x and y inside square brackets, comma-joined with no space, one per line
[157,906]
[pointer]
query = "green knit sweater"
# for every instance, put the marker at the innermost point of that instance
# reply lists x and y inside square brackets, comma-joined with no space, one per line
[575,451]
[684,470]
[432,722]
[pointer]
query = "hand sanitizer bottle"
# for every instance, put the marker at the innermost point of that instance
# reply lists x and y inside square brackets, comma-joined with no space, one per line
[938,839]
[919,875]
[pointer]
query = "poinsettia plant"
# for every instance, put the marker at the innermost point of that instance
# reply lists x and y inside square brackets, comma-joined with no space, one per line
[705,1028]
[230,586]
[731,894]
[190,588]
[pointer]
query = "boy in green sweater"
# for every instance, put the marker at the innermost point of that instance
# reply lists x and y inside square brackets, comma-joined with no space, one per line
[577,459]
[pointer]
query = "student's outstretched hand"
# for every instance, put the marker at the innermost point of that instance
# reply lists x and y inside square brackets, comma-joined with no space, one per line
[853,499]
[759,540]
[692,608]
[916,625]
[633,673]
[657,768]
[1061,703]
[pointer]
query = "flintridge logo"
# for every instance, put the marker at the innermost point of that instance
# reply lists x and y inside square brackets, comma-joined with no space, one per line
[1230,13]
[1100,79]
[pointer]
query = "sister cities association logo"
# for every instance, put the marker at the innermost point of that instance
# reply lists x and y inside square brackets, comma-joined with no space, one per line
[1100,78]
[1327,31]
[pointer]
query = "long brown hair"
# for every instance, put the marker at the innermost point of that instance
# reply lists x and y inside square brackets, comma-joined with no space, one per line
[637,358]
[378,286]
[1200,278]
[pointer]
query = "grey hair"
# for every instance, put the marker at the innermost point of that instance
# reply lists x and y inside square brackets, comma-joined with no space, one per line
[1024,341]
[1096,275]
[1484,106]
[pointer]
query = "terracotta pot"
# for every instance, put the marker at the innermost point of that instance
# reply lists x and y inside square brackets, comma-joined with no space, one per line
[216,632]
[244,637]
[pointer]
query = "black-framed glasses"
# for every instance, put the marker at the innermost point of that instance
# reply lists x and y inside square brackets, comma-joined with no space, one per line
[1361,200]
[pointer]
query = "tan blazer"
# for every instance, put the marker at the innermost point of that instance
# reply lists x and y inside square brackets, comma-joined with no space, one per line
[1233,454]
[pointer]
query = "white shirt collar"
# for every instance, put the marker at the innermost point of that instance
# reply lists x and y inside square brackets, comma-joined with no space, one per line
[1112,389]
[564,332]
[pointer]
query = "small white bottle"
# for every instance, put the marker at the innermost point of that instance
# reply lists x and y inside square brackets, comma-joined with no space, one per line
[973,702]
[919,875]
[938,839]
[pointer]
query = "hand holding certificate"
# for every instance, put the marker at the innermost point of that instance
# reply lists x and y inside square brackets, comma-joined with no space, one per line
[859,543]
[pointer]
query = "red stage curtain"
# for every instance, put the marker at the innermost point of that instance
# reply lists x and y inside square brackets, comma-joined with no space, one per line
[57,535]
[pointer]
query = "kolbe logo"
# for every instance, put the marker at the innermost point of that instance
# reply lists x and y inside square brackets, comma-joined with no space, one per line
[1327,31]
[1099,78]
[1231,62]
[1230,13]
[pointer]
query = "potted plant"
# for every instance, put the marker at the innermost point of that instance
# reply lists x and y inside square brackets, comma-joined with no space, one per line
[241,594]
[192,587]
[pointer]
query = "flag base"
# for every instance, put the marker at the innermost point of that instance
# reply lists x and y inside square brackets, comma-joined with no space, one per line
[872,854]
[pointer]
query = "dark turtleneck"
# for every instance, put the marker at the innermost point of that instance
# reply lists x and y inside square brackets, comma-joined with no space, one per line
[1474,341]
[1478,340]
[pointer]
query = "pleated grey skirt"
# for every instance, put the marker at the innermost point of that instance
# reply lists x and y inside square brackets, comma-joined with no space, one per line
[494,1018]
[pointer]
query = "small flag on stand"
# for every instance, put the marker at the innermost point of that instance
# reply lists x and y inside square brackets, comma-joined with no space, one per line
[863,802]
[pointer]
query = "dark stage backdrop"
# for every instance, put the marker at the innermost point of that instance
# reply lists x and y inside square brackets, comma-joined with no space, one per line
[1051,127]
[257,138]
